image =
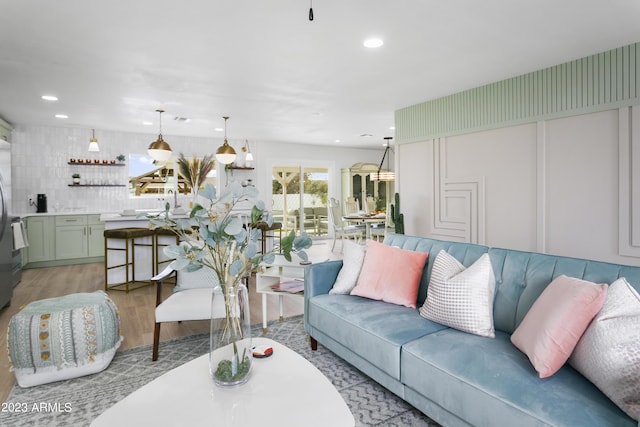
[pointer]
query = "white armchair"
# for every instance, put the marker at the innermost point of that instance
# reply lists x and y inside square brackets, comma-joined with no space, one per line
[190,300]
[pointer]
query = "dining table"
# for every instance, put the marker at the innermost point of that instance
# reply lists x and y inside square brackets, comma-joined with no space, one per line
[367,219]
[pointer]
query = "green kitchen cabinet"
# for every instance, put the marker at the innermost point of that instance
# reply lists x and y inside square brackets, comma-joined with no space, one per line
[63,240]
[71,236]
[95,236]
[41,237]
[79,236]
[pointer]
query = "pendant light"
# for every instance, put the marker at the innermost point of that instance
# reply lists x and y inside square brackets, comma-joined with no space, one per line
[93,142]
[159,150]
[225,154]
[248,157]
[384,175]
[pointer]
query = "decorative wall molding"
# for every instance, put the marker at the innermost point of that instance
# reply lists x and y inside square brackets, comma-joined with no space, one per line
[459,204]
[629,188]
[595,83]
[541,187]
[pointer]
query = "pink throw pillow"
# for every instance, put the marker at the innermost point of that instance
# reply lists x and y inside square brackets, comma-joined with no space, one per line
[390,274]
[551,329]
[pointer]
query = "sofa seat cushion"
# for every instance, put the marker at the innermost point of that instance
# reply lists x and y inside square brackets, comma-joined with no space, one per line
[483,380]
[374,330]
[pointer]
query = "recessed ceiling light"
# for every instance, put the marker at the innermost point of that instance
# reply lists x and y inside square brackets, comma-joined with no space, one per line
[373,43]
[62,116]
[49,97]
[219,129]
[147,123]
[392,128]
[337,141]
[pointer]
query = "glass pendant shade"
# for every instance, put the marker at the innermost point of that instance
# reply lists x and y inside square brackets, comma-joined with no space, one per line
[159,150]
[248,157]
[225,154]
[93,143]
[382,175]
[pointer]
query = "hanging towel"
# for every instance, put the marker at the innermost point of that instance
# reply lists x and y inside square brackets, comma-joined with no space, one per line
[19,235]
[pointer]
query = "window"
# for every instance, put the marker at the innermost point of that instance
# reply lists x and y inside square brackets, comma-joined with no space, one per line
[148,177]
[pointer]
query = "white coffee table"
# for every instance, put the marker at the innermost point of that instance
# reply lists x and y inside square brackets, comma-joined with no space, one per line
[284,390]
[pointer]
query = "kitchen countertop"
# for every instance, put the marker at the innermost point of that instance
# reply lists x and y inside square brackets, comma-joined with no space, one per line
[86,212]
[114,216]
[77,212]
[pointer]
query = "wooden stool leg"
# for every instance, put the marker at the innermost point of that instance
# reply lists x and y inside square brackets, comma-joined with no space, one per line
[106,263]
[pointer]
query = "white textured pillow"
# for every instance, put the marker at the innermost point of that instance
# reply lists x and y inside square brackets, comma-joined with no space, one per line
[461,298]
[351,265]
[204,277]
[608,354]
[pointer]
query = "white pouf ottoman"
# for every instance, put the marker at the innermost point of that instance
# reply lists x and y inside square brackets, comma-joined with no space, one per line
[61,338]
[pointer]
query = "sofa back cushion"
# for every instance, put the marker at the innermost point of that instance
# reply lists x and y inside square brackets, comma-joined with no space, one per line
[522,276]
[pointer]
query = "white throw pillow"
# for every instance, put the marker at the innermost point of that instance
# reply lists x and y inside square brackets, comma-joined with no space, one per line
[461,298]
[202,278]
[608,354]
[353,257]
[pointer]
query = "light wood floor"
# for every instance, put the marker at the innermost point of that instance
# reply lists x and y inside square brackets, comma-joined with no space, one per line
[136,308]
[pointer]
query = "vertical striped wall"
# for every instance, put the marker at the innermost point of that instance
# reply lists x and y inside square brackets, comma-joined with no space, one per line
[598,82]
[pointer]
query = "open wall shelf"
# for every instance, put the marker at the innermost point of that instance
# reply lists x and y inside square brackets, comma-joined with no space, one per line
[97,185]
[94,164]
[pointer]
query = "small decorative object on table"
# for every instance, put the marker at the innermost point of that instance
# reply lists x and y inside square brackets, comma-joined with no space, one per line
[218,238]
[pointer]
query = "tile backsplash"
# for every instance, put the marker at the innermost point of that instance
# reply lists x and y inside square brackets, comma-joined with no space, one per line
[40,157]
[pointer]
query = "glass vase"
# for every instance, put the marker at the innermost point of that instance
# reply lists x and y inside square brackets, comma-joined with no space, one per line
[230,353]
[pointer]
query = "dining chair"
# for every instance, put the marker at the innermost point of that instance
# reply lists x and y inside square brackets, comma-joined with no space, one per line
[351,206]
[340,228]
[370,205]
[380,231]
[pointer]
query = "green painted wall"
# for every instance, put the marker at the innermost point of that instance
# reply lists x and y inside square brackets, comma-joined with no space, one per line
[595,83]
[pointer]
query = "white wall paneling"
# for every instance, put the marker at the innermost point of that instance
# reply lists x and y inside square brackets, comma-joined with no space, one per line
[416,200]
[567,186]
[557,151]
[629,182]
[458,203]
[581,172]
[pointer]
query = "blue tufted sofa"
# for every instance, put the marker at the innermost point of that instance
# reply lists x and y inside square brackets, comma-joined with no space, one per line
[456,378]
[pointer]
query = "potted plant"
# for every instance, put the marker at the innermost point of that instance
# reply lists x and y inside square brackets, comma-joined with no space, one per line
[120,158]
[76,178]
[216,237]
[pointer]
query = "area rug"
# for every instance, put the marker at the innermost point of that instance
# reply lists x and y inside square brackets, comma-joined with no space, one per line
[78,401]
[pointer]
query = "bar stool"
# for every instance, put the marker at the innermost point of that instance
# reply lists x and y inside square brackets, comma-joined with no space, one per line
[157,244]
[265,229]
[129,236]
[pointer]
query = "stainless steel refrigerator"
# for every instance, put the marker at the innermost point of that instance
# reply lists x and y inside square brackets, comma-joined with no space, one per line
[6,233]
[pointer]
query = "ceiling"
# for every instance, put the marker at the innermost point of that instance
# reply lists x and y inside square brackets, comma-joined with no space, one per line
[279,76]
